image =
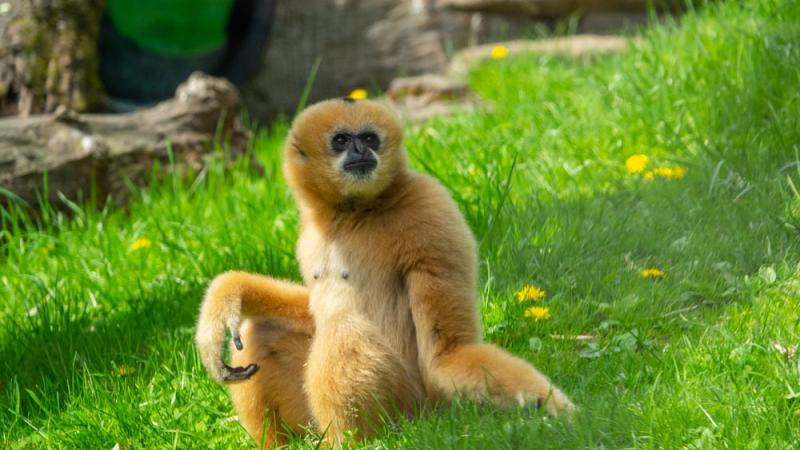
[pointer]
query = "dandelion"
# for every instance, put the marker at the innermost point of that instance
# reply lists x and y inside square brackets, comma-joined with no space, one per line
[652,273]
[473,171]
[468,192]
[538,312]
[670,173]
[529,292]
[673,173]
[124,371]
[499,52]
[637,163]
[359,94]
[140,243]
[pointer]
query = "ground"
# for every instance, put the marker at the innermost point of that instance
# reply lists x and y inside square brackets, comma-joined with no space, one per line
[645,205]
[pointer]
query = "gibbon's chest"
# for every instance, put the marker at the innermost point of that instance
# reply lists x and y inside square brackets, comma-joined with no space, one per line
[357,276]
[343,271]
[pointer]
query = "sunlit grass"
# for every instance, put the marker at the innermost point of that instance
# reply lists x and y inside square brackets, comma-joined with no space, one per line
[672,302]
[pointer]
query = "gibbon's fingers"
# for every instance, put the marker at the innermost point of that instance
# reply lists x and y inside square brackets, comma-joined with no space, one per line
[237,340]
[215,318]
[234,374]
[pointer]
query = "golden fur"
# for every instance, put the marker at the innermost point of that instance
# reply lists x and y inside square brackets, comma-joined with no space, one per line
[387,316]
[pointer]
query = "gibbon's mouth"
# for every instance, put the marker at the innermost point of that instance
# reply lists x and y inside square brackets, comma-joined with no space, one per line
[361,168]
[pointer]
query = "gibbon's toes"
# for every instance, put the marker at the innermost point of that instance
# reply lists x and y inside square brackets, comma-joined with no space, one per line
[558,404]
[232,374]
[237,340]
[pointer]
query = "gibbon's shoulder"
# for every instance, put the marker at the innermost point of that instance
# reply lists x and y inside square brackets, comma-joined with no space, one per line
[425,193]
[431,216]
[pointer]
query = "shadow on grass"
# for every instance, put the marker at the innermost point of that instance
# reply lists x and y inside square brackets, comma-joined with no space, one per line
[47,355]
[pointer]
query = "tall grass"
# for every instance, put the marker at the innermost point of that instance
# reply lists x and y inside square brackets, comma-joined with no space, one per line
[95,344]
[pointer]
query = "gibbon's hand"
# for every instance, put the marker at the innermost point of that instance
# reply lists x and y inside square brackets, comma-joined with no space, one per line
[231,374]
[218,313]
[235,295]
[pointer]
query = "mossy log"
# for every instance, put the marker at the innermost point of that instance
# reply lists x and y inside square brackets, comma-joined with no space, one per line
[81,154]
[48,55]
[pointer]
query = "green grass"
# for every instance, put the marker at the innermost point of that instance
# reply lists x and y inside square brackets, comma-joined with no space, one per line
[96,339]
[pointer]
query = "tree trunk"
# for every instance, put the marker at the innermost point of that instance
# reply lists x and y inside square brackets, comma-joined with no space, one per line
[48,55]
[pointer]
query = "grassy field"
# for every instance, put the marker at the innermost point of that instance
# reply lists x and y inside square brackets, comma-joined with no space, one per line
[98,309]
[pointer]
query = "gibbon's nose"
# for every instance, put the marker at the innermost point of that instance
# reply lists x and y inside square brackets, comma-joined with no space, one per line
[360,161]
[360,148]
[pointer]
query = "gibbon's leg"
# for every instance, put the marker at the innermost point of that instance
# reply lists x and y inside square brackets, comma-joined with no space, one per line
[275,339]
[485,371]
[455,362]
[272,400]
[233,296]
[354,378]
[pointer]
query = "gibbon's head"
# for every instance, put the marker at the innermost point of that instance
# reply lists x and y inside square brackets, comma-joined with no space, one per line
[343,150]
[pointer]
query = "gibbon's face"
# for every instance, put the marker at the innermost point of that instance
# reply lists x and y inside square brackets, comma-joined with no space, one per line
[343,149]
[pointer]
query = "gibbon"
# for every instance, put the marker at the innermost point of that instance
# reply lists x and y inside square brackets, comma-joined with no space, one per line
[387,315]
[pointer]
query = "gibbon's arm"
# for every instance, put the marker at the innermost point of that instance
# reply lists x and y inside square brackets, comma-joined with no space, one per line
[234,296]
[445,314]
[454,359]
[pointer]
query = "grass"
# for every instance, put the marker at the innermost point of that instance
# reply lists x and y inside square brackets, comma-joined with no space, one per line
[96,338]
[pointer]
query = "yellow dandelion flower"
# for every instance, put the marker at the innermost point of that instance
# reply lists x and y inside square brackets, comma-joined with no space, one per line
[637,163]
[529,292]
[123,371]
[499,52]
[472,171]
[140,243]
[538,312]
[359,94]
[670,173]
[665,172]
[678,172]
[652,272]
[649,175]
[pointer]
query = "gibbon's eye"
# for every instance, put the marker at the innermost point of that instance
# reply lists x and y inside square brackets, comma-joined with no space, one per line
[340,141]
[371,139]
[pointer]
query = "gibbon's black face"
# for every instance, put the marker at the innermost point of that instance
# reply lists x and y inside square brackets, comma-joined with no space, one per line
[342,149]
[358,151]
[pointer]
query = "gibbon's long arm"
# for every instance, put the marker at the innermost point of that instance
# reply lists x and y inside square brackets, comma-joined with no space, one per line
[234,296]
[457,362]
[444,318]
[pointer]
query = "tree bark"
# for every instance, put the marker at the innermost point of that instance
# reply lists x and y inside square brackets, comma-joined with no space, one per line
[102,153]
[48,55]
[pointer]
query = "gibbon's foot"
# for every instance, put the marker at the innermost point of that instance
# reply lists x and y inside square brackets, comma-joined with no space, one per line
[232,374]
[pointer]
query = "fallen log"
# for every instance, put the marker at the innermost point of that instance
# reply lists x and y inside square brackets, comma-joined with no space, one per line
[576,46]
[101,153]
[554,9]
[420,98]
